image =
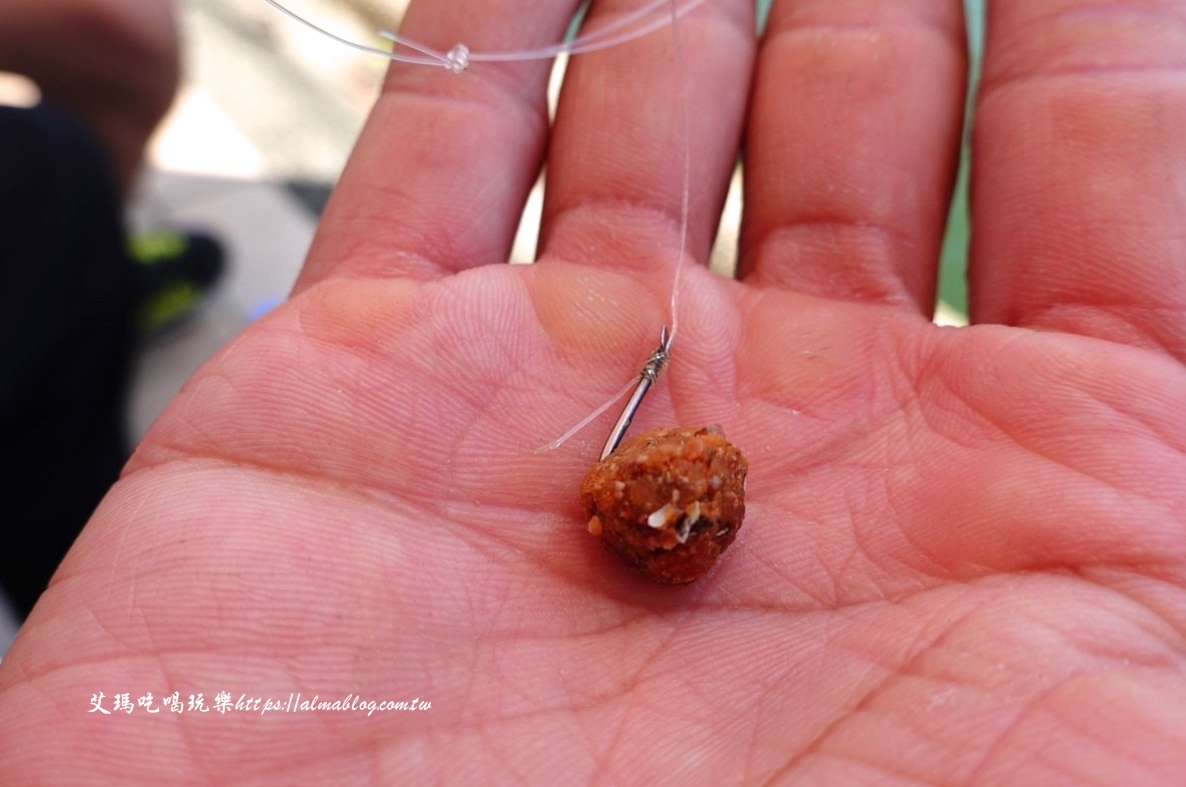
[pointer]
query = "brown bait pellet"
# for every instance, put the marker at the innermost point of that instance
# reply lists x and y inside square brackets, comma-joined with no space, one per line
[669,501]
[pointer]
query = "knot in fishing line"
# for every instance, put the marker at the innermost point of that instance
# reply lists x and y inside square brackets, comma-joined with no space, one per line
[457,59]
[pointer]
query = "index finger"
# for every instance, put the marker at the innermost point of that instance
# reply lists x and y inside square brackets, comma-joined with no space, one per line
[442,169]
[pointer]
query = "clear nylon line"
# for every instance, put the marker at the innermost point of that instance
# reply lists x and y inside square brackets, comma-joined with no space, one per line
[590,418]
[603,38]
[685,200]
[685,197]
[613,34]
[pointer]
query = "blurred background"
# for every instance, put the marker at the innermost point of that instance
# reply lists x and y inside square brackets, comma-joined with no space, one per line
[267,115]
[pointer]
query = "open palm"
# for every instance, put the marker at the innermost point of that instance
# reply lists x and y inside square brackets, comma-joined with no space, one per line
[964,555]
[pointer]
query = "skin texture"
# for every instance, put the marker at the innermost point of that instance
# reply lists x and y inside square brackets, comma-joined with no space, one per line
[964,558]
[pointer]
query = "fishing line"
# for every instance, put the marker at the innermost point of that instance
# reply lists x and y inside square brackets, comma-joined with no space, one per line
[658,359]
[685,197]
[612,34]
[460,56]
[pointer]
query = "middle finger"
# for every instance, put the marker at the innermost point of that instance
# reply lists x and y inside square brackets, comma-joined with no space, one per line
[616,166]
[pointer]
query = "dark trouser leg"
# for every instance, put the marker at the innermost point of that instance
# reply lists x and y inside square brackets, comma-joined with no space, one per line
[67,295]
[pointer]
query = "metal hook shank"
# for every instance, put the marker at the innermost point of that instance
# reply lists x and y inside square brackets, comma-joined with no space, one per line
[646,378]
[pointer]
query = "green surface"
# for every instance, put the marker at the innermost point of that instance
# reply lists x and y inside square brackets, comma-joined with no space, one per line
[953,264]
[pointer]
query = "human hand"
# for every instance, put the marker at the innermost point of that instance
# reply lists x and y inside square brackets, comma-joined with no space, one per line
[963,559]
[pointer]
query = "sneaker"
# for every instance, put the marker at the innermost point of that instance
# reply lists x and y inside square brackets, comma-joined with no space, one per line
[179,269]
